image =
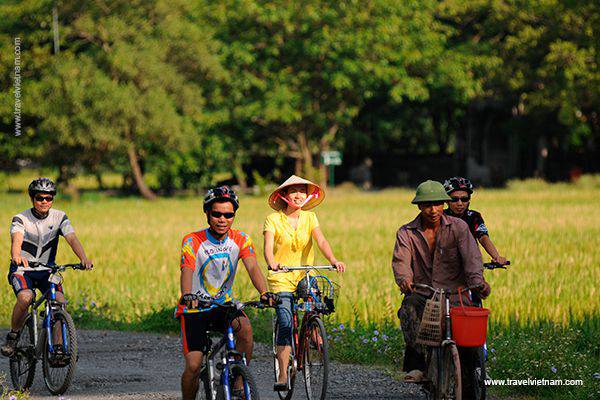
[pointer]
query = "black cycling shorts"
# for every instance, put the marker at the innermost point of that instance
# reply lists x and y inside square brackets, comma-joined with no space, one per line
[195,327]
[29,280]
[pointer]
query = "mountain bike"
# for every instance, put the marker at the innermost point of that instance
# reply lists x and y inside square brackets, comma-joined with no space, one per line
[54,342]
[310,350]
[223,364]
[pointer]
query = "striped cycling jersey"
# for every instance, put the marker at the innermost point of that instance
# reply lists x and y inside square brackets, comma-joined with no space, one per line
[214,262]
[40,235]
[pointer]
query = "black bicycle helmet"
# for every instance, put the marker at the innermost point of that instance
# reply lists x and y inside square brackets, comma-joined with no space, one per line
[302,290]
[458,183]
[41,185]
[222,193]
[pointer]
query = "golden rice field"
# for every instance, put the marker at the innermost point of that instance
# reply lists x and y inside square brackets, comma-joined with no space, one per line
[551,233]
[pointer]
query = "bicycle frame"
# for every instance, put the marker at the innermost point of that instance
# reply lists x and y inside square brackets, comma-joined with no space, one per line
[309,307]
[227,359]
[225,348]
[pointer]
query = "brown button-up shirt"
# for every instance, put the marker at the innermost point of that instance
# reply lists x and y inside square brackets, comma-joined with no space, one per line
[456,258]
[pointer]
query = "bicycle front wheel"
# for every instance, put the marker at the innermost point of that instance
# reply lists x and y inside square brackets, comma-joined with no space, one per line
[59,364]
[315,359]
[480,375]
[451,381]
[23,361]
[241,384]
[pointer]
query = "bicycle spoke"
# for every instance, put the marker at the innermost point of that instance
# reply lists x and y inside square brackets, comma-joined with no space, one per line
[316,360]
[22,364]
[60,367]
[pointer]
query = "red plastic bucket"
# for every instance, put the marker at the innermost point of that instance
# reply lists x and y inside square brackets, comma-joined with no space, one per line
[469,325]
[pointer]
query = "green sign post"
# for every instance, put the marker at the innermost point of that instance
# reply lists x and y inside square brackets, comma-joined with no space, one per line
[331,158]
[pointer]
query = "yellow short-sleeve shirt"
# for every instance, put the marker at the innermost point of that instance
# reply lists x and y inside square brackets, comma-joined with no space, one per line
[292,247]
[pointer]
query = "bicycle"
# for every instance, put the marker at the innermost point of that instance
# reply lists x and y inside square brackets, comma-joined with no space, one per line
[310,350]
[55,344]
[232,365]
[482,353]
[443,367]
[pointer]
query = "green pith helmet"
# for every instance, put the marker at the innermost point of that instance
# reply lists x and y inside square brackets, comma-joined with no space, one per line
[430,191]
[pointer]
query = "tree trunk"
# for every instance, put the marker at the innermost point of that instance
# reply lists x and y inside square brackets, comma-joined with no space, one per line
[305,156]
[99,181]
[298,166]
[240,175]
[325,142]
[137,174]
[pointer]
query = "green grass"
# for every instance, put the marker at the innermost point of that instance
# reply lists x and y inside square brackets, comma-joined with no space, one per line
[551,234]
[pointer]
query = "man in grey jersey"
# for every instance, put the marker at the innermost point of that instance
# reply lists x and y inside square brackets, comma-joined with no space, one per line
[34,238]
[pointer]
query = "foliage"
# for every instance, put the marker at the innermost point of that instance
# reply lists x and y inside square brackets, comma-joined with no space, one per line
[188,91]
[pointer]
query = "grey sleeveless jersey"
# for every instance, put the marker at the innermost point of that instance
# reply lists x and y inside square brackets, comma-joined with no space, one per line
[41,235]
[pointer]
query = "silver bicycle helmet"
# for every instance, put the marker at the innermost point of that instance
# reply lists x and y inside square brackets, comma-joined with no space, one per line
[41,185]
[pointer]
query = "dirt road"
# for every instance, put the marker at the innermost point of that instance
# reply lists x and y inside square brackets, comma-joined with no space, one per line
[126,365]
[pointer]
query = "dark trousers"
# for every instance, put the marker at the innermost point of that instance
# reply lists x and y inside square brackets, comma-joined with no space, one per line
[410,314]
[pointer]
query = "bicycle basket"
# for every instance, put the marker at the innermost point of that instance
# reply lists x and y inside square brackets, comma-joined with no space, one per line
[430,328]
[319,289]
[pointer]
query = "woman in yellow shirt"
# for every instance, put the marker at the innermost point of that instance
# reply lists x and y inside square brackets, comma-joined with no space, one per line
[289,233]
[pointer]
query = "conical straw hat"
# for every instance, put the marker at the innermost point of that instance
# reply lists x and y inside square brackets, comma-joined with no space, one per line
[314,190]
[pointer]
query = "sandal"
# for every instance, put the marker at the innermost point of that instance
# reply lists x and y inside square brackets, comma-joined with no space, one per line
[414,376]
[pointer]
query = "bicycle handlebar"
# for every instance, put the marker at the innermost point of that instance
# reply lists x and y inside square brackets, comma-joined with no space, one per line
[205,303]
[448,291]
[283,268]
[495,265]
[38,266]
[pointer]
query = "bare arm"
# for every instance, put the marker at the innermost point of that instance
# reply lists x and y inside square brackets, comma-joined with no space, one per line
[268,250]
[185,283]
[15,249]
[256,276]
[77,247]
[326,249]
[489,247]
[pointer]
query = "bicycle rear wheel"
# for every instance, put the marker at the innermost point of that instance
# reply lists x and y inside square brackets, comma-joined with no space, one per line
[204,386]
[23,361]
[60,368]
[451,380]
[286,394]
[315,359]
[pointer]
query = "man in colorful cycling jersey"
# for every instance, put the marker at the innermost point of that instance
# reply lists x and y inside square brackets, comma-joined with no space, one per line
[209,261]
[460,191]
[34,236]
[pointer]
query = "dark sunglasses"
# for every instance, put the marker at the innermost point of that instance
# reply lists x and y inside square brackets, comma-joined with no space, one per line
[217,214]
[44,198]
[463,199]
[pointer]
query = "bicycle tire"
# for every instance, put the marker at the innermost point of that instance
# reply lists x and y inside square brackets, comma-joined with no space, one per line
[451,375]
[250,388]
[315,359]
[480,376]
[58,378]
[286,394]
[23,362]
[203,386]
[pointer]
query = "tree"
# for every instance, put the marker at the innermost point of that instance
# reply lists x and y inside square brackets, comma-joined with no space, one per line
[126,84]
[299,72]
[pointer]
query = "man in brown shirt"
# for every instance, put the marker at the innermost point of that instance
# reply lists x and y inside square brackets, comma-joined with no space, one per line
[437,250]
